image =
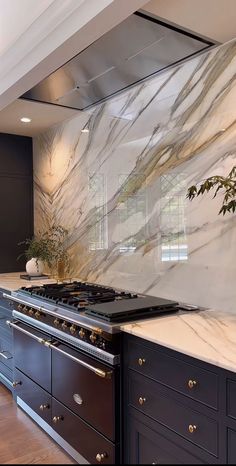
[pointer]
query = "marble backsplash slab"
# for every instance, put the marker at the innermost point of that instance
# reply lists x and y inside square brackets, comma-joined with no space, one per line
[121,188]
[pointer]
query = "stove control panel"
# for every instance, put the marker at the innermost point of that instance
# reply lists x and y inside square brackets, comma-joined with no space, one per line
[95,337]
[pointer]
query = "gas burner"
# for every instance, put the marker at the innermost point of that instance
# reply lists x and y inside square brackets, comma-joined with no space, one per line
[77,295]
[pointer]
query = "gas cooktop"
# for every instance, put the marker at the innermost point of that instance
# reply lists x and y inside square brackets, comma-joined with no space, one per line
[101,302]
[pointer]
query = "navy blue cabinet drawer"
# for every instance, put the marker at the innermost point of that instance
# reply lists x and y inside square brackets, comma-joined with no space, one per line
[231,447]
[148,446]
[152,399]
[188,379]
[5,303]
[231,398]
[6,352]
[33,395]
[81,436]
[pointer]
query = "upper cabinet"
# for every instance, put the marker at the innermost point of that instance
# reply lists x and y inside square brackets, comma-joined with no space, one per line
[16,199]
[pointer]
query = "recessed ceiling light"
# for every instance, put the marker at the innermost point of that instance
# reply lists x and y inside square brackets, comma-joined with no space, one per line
[25,120]
[85,130]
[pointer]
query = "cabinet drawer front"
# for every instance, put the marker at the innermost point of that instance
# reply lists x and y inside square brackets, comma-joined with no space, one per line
[6,349]
[32,358]
[196,383]
[231,447]
[85,393]
[147,446]
[5,303]
[81,436]
[231,398]
[151,399]
[6,372]
[33,395]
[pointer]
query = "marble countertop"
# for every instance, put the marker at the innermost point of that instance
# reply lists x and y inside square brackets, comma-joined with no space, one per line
[12,281]
[208,335]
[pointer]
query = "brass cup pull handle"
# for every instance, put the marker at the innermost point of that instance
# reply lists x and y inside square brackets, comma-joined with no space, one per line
[141,361]
[192,384]
[56,419]
[100,457]
[141,400]
[42,407]
[192,428]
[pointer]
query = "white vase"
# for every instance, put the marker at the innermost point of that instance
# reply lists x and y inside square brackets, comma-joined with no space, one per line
[34,267]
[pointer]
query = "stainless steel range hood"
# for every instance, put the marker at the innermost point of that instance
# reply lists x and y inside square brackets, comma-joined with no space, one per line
[136,49]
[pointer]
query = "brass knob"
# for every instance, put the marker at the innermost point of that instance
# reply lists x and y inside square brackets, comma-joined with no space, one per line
[100,457]
[20,307]
[192,428]
[56,322]
[141,400]
[192,383]
[64,325]
[24,308]
[55,419]
[73,329]
[93,337]
[37,314]
[31,312]
[14,384]
[82,333]
[141,361]
[42,407]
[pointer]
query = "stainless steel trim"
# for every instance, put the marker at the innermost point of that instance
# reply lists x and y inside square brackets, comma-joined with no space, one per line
[4,356]
[54,314]
[29,334]
[53,434]
[6,380]
[95,370]
[75,342]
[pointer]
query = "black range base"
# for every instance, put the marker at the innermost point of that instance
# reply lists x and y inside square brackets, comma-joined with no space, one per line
[67,361]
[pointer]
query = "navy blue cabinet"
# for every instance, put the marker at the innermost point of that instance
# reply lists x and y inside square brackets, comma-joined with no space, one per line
[177,409]
[6,343]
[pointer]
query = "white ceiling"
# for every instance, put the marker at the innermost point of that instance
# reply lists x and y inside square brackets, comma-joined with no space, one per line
[204,17]
[215,19]
[43,117]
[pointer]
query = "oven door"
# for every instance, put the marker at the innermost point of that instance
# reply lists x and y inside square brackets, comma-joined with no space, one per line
[31,356]
[86,386]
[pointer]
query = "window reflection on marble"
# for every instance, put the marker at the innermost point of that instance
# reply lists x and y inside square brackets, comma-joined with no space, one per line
[98,233]
[131,213]
[173,222]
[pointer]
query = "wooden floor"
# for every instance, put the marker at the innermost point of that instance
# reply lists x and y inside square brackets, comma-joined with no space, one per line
[21,440]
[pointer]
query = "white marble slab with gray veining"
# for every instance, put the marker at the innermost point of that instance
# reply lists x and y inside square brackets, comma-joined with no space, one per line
[121,188]
[208,335]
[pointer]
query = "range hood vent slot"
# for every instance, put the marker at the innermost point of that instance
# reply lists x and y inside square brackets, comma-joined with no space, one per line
[136,49]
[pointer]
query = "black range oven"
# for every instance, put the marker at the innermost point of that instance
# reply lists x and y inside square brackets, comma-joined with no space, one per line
[67,362]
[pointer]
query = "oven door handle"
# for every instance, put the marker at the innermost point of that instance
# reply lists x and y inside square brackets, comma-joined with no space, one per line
[26,332]
[49,344]
[95,370]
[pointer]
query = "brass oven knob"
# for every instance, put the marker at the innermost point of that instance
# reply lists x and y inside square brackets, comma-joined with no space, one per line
[82,333]
[192,383]
[73,329]
[141,400]
[20,307]
[93,337]
[192,428]
[56,419]
[31,311]
[24,308]
[56,322]
[100,457]
[141,361]
[37,314]
[64,325]
[42,407]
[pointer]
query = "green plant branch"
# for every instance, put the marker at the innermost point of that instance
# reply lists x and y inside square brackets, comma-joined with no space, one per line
[217,183]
